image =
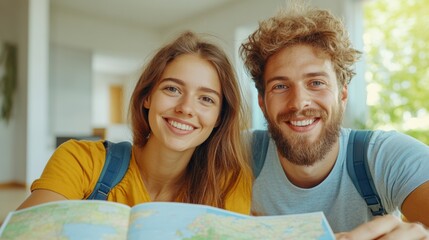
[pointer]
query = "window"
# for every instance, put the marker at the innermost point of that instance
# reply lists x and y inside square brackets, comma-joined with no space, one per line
[396,34]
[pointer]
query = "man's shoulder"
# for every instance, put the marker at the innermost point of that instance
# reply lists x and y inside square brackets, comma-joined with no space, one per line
[393,138]
[376,135]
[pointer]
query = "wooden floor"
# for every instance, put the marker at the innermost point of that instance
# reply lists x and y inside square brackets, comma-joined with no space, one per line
[10,198]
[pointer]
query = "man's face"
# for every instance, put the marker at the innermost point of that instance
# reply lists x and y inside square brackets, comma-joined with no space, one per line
[303,103]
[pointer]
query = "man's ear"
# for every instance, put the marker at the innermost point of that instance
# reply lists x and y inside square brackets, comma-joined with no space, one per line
[344,95]
[261,103]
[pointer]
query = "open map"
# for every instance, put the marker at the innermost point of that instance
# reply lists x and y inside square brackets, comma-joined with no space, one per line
[157,220]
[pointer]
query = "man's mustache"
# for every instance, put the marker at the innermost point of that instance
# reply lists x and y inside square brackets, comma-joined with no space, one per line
[312,113]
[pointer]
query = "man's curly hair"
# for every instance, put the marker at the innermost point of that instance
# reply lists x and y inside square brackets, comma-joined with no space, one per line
[299,24]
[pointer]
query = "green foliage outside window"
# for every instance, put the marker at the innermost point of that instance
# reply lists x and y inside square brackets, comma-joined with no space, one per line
[397,65]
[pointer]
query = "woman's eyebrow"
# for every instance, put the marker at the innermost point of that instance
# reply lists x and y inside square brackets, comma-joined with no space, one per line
[182,83]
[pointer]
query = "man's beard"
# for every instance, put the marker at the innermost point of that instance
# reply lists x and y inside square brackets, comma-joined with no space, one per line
[297,149]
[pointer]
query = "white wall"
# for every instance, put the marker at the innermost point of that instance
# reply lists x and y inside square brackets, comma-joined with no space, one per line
[8,33]
[37,88]
[13,29]
[224,22]
[18,150]
[100,35]
[70,90]
[24,142]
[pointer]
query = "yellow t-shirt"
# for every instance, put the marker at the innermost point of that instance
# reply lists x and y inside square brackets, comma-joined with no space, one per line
[74,168]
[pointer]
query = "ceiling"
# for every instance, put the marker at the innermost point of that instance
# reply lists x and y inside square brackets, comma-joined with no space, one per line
[153,14]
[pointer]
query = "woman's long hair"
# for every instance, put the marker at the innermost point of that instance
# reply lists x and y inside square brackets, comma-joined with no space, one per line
[220,162]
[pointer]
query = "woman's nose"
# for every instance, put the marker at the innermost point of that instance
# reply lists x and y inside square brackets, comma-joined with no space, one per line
[185,106]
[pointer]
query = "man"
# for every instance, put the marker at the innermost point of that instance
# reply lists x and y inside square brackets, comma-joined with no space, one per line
[301,62]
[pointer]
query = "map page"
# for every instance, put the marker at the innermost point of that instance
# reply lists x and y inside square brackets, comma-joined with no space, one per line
[71,219]
[183,221]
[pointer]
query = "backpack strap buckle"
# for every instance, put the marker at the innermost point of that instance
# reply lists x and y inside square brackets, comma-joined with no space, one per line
[375,205]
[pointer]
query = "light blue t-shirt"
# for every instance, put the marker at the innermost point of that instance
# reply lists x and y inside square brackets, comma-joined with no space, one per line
[398,164]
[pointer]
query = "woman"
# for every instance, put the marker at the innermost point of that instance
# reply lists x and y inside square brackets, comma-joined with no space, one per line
[186,117]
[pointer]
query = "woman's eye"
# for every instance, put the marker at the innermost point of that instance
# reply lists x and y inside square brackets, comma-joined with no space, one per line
[208,99]
[172,89]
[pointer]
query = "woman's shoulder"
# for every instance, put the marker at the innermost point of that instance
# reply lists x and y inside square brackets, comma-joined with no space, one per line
[73,168]
[83,147]
[80,153]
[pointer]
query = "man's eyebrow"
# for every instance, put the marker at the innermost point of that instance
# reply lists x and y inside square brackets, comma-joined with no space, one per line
[277,78]
[182,83]
[310,74]
[316,74]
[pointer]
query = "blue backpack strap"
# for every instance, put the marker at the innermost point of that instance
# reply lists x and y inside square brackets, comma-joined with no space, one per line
[259,150]
[358,170]
[118,157]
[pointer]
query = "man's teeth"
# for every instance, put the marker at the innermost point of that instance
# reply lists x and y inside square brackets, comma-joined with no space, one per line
[180,126]
[302,123]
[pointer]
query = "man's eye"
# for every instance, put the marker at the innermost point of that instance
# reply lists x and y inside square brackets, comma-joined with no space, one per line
[317,83]
[280,86]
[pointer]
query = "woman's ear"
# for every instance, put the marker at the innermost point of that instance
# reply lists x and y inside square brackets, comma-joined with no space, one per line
[146,102]
[218,121]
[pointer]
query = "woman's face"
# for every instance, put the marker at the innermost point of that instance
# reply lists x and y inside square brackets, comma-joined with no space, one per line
[184,106]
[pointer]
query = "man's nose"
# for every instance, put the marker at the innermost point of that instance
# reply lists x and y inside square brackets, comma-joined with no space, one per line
[298,99]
